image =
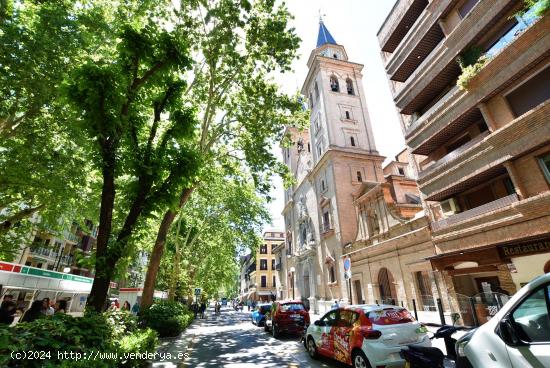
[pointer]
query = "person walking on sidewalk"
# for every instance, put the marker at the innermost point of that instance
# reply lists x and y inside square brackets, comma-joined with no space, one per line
[203,309]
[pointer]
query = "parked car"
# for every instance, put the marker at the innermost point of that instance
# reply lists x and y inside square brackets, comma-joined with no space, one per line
[287,316]
[517,336]
[365,335]
[258,315]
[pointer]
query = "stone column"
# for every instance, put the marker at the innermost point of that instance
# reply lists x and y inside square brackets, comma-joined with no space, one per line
[505,279]
[518,184]
[487,116]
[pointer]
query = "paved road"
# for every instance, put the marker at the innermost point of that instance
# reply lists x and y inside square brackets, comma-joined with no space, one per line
[232,341]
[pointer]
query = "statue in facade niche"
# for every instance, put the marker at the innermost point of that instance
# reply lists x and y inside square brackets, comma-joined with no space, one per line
[302,207]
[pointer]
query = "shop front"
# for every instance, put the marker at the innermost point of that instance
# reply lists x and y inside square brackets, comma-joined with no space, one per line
[481,280]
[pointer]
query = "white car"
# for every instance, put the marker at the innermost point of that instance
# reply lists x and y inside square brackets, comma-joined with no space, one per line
[517,336]
[365,335]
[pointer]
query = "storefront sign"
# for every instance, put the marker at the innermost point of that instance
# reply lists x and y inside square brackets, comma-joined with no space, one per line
[540,246]
[33,271]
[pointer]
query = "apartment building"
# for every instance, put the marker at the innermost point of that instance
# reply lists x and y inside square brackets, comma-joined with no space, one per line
[52,250]
[470,81]
[259,276]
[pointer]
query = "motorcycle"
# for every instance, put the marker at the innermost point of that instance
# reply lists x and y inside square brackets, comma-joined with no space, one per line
[431,357]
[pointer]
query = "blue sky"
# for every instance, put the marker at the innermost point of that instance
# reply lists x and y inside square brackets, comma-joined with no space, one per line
[354,24]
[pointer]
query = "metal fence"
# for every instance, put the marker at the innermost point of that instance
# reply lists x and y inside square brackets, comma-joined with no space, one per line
[465,311]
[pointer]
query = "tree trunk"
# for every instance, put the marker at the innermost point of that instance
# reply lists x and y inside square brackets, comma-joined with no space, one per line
[113,254]
[158,250]
[103,273]
[176,273]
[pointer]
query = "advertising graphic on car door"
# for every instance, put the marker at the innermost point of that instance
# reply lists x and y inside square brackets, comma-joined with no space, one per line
[346,335]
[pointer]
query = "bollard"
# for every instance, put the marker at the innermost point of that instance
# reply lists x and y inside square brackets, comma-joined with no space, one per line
[440,309]
[474,314]
[415,311]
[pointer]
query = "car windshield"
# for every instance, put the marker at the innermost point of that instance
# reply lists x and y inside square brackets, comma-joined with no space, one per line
[292,307]
[390,316]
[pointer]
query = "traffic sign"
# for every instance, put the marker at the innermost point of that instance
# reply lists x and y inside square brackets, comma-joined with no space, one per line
[347,264]
[197,291]
[347,267]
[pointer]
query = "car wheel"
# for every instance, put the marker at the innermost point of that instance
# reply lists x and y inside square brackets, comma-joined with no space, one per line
[359,360]
[275,331]
[261,323]
[312,348]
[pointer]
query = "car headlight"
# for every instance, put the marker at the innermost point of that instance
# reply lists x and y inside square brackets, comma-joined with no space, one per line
[462,342]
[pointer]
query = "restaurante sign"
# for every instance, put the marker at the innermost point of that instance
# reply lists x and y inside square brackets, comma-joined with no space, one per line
[525,249]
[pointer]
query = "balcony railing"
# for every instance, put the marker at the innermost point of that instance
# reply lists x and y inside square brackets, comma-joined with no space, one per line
[453,155]
[474,212]
[70,236]
[44,252]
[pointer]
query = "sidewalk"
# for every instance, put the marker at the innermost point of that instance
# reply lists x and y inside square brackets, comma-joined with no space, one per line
[178,346]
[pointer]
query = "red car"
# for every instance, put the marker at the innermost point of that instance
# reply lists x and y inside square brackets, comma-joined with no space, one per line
[287,316]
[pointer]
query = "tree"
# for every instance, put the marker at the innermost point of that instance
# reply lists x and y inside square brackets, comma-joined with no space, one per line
[127,99]
[221,219]
[44,166]
[238,45]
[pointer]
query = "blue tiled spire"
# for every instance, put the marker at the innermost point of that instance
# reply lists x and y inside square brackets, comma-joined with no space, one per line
[324,35]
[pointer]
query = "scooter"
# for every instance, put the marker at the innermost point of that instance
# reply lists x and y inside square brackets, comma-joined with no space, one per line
[430,357]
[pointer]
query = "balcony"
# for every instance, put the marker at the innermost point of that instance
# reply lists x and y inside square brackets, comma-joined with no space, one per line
[70,237]
[399,22]
[419,42]
[475,212]
[451,156]
[45,252]
[484,159]
[440,67]
[527,50]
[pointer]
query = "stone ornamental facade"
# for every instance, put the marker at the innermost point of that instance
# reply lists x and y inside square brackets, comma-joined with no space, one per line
[482,151]
[329,161]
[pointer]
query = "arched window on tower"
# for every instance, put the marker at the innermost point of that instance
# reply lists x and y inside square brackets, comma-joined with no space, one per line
[352,141]
[334,86]
[349,86]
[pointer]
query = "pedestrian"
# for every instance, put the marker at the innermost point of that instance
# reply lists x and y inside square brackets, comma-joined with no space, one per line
[335,305]
[195,309]
[8,298]
[61,306]
[135,309]
[7,312]
[126,306]
[113,306]
[34,312]
[203,309]
[117,304]
[47,309]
